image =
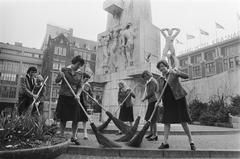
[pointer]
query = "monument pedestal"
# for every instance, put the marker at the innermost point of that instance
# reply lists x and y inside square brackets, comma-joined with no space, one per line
[130,45]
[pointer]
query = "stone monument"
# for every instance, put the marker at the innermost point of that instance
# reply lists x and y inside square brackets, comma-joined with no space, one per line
[129,45]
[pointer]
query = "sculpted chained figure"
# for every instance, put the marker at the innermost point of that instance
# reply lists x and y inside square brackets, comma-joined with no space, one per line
[169,37]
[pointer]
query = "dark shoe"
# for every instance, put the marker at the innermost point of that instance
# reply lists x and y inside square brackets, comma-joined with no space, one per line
[147,137]
[119,133]
[193,147]
[163,146]
[155,138]
[75,141]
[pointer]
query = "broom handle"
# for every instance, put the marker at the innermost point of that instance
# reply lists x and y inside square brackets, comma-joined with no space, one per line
[34,100]
[126,98]
[94,99]
[142,103]
[69,86]
[159,99]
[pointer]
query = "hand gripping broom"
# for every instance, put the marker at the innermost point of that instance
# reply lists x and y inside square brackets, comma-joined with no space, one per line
[102,140]
[105,124]
[137,139]
[29,111]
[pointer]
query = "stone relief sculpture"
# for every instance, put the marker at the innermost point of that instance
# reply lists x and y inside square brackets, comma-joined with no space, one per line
[104,42]
[127,44]
[169,46]
[119,41]
[114,48]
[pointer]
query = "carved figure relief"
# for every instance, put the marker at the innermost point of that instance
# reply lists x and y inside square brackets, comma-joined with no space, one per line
[117,42]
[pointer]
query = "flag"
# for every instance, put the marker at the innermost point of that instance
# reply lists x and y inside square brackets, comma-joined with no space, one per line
[178,42]
[218,26]
[203,32]
[188,36]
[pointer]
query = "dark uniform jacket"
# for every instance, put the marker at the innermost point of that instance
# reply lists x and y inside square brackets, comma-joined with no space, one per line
[27,85]
[151,89]
[74,80]
[177,89]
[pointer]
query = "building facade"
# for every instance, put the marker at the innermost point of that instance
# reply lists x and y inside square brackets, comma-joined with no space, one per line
[213,69]
[14,62]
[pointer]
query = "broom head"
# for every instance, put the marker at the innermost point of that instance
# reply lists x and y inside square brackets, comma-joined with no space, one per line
[120,124]
[103,125]
[137,139]
[102,139]
[131,133]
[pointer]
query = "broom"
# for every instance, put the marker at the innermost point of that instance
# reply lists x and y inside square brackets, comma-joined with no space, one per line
[132,131]
[29,111]
[137,139]
[105,124]
[100,138]
[120,124]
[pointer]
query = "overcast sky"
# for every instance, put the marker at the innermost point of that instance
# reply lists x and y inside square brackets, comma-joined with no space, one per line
[25,20]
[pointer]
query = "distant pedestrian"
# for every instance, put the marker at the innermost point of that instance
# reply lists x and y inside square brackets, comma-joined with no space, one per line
[175,109]
[151,88]
[26,95]
[40,99]
[86,103]
[68,108]
[126,107]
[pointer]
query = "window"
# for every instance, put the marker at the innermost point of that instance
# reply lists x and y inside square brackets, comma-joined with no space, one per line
[28,54]
[55,65]
[196,71]
[231,62]
[55,92]
[210,55]
[88,56]
[196,59]
[36,55]
[56,50]
[225,64]
[230,50]
[12,92]
[237,62]
[210,68]
[8,78]
[184,62]
[64,52]
[75,53]
[84,55]
[8,92]
[9,66]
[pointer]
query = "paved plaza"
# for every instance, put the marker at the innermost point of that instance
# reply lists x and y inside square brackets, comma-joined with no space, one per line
[211,142]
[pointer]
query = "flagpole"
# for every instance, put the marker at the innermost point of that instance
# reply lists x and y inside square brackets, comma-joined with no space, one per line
[200,40]
[216,34]
[238,19]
